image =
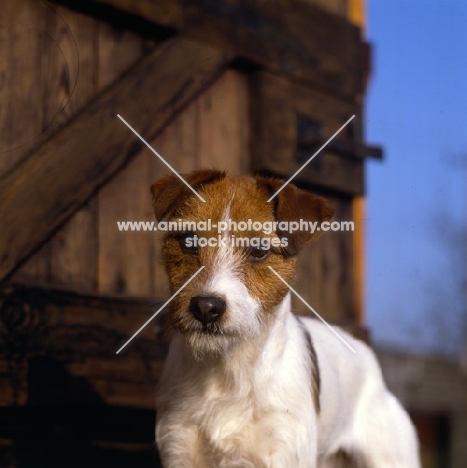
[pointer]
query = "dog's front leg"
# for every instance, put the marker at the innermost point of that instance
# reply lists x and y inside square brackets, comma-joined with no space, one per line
[179,445]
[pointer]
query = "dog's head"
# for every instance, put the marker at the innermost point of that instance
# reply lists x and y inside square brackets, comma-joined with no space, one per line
[235,295]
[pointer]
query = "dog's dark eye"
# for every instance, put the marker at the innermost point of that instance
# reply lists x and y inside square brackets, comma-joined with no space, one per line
[257,253]
[188,242]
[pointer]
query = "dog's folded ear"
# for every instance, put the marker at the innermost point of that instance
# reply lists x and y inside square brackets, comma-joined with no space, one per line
[293,204]
[170,192]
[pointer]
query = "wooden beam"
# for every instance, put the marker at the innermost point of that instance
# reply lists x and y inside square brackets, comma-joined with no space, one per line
[69,324]
[41,193]
[74,337]
[293,37]
[278,110]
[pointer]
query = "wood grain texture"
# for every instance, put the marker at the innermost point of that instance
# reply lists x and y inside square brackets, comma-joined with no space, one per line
[63,52]
[71,255]
[293,37]
[56,179]
[78,335]
[73,250]
[20,110]
[46,59]
[123,261]
[276,107]
[224,125]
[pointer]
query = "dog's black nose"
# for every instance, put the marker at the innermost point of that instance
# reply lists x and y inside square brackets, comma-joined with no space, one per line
[207,309]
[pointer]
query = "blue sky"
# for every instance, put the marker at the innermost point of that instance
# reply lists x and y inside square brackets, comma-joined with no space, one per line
[416,108]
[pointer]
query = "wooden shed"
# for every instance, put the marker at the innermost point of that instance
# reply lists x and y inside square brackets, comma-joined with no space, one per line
[246,86]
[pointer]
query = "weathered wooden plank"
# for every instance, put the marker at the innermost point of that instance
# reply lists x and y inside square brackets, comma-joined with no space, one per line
[45,61]
[20,119]
[71,255]
[223,124]
[123,260]
[67,56]
[56,179]
[69,324]
[290,36]
[117,52]
[277,107]
[129,262]
[76,336]
[71,85]
[22,30]
[62,50]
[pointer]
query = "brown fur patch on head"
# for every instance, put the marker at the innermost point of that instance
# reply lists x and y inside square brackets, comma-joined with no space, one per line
[170,192]
[293,204]
[240,198]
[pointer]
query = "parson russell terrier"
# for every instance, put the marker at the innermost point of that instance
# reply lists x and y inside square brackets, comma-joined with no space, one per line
[246,382]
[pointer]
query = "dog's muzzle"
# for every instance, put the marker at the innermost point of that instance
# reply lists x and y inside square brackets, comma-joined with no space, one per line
[207,309]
